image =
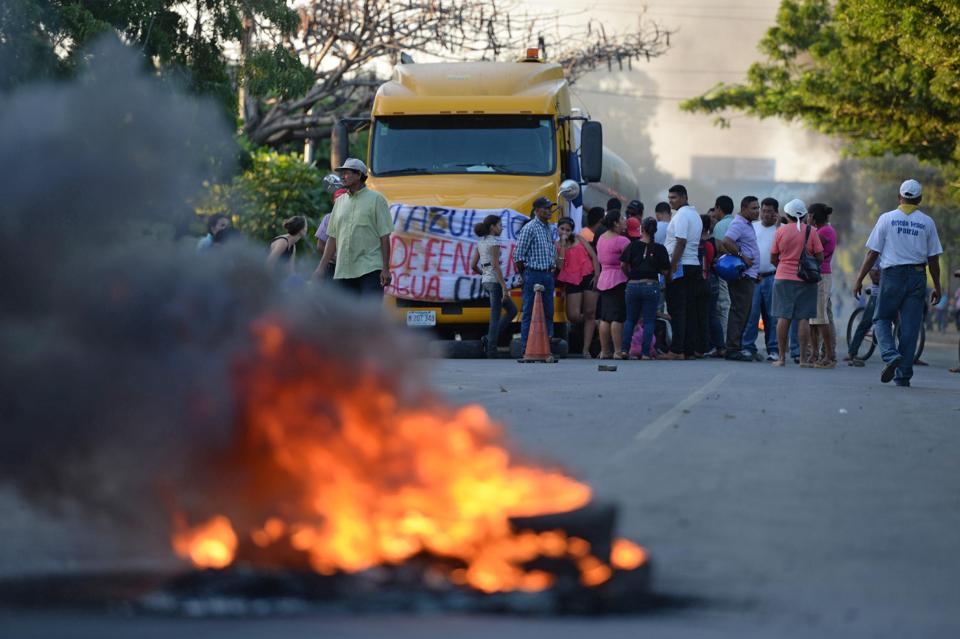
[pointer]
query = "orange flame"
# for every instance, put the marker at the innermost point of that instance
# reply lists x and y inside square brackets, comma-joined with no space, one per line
[363,479]
[627,555]
[212,544]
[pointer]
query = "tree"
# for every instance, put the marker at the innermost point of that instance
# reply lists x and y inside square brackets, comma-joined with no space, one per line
[883,75]
[42,39]
[275,186]
[339,41]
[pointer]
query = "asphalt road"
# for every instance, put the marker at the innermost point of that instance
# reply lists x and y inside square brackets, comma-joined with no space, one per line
[791,502]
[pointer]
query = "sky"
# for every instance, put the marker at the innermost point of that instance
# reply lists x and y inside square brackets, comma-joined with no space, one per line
[715,40]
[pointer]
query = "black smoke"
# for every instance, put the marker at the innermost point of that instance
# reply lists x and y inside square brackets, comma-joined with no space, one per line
[117,339]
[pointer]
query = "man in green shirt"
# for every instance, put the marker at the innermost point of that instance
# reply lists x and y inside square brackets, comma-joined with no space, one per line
[359,231]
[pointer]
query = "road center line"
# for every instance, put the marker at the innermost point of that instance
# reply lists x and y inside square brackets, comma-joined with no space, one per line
[669,418]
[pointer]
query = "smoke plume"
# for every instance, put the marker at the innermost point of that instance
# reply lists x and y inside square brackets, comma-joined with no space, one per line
[117,338]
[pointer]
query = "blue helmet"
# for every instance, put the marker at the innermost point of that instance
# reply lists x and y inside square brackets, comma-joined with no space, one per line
[730,267]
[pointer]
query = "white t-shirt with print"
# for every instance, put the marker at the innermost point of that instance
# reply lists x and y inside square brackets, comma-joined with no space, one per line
[685,225]
[904,238]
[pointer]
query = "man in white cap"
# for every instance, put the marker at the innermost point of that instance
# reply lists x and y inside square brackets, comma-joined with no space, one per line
[906,242]
[359,234]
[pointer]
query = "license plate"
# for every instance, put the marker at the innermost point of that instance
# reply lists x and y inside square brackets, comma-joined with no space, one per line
[421,318]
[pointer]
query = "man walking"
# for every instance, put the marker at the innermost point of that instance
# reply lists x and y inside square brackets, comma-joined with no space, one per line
[535,258]
[906,242]
[766,229]
[682,244]
[741,240]
[359,234]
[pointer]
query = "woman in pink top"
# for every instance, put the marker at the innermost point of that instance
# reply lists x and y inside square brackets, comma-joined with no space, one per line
[821,327]
[794,299]
[612,285]
[579,270]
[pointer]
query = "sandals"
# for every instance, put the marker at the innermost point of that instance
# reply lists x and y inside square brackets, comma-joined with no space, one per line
[621,355]
[778,363]
[606,355]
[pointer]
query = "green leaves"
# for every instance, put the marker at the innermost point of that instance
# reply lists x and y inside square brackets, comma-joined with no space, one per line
[41,39]
[884,75]
[277,73]
[275,186]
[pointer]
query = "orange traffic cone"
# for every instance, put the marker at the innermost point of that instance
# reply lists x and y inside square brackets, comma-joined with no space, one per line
[538,344]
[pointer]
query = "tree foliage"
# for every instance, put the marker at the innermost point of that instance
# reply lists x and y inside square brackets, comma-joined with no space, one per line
[41,39]
[274,187]
[882,74]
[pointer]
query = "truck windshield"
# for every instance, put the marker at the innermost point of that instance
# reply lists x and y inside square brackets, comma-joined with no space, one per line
[511,144]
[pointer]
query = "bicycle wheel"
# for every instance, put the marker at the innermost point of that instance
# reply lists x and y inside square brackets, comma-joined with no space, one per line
[921,338]
[868,344]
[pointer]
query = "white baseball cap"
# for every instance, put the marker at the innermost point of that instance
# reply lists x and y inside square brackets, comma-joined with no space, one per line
[910,189]
[795,208]
[354,165]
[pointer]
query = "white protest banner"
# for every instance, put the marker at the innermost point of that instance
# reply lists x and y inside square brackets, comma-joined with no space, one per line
[431,248]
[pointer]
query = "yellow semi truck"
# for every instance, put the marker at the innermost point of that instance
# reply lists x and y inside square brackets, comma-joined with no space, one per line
[452,142]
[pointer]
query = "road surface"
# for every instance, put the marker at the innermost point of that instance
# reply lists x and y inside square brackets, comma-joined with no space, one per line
[791,502]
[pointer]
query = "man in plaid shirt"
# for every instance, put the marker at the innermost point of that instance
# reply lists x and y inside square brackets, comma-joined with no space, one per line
[535,257]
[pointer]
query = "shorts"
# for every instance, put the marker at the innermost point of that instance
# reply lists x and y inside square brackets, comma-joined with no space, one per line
[793,299]
[613,304]
[586,284]
[824,310]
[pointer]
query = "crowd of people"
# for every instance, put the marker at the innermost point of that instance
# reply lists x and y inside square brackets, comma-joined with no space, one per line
[713,277]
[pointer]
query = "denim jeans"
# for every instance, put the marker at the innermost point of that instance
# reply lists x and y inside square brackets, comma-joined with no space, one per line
[716,329]
[903,291]
[498,324]
[530,279]
[723,306]
[762,305]
[865,321]
[642,301]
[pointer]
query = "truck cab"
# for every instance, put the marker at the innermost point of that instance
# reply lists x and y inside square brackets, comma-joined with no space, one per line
[453,142]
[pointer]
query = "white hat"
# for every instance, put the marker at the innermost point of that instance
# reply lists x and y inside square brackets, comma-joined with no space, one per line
[910,189]
[795,209]
[354,165]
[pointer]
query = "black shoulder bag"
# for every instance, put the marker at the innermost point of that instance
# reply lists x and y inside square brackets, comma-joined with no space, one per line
[808,269]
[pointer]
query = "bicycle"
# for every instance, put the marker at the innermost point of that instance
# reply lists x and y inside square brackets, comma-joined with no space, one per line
[869,343]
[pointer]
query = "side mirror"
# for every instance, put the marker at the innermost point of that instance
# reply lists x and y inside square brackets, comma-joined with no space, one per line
[591,151]
[569,190]
[339,144]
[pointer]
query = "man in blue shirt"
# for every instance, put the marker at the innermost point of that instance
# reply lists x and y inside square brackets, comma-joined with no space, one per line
[741,240]
[723,209]
[535,257]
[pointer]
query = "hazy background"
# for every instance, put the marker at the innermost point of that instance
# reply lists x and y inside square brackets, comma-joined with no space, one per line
[714,42]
